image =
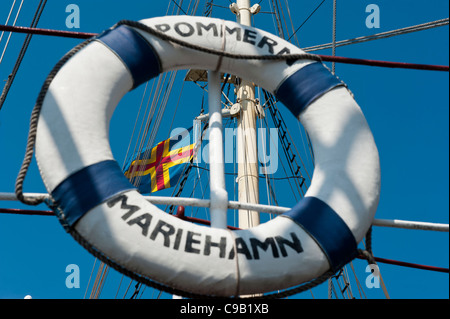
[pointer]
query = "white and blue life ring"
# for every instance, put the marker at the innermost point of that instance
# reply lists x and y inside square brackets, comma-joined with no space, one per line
[93,197]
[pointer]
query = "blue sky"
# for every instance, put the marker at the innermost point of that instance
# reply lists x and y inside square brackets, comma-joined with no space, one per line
[407,111]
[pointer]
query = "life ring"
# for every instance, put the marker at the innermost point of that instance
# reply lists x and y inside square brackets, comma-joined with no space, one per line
[93,198]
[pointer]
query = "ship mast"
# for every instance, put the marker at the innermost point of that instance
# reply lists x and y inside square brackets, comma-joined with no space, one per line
[248,188]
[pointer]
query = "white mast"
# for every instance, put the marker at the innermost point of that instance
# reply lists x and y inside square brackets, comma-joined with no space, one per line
[247,144]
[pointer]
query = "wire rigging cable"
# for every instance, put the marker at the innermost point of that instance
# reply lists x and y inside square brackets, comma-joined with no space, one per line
[14,23]
[310,15]
[382,35]
[23,50]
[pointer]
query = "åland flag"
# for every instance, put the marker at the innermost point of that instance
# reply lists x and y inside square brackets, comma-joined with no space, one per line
[160,167]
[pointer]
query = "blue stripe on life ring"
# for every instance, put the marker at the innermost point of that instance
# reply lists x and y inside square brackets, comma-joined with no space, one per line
[327,228]
[136,53]
[305,86]
[89,187]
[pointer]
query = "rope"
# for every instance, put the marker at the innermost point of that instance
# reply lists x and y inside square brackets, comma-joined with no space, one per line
[367,253]
[382,35]
[330,287]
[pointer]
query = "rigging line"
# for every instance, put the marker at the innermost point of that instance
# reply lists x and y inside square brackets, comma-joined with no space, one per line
[292,23]
[333,50]
[137,288]
[284,18]
[98,284]
[148,116]
[176,109]
[368,249]
[304,143]
[341,275]
[386,64]
[126,291]
[201,189]
[382,35]
[7,19]
[347,280]
[286,143]
[22,52]
[314,57]
[296,150]
[358,284]
[285,173]
[331,285]
[194,11]
[341,290]
[259,176]
[10,34]
[90,277]
[376,222]
[280,14]
[198,180]
[97,278]
[207,12]
[145,141]
[304,135]
[168,92]
[273,14]
[310,15]
[102,281]
[408,264]
[277,18]
[120,284]
[189,6]
[135,125]
[179,7]
[142,291]
[203,87]
[150,139]
[161,109]
[180,185]
[264,153]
